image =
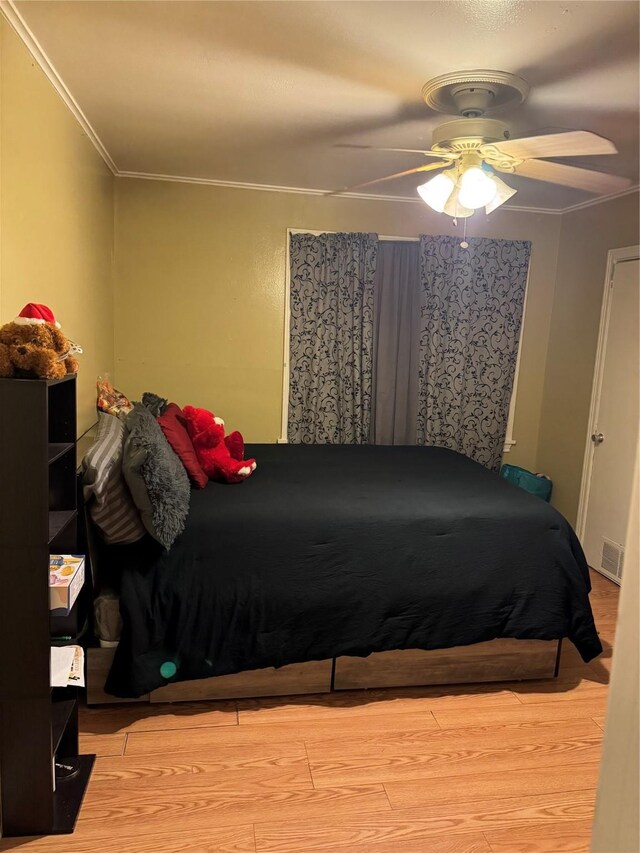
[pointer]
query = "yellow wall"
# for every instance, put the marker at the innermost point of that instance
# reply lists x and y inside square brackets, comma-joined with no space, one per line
[199,298]
[56,215]
[585,238]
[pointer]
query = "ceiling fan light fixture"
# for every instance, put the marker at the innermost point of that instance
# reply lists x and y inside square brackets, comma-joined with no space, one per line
[477,188]
[437,191]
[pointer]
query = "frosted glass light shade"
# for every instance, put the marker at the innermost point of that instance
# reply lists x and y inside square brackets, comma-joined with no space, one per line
[436,192]
[476,188]
[504,193]
[456,210]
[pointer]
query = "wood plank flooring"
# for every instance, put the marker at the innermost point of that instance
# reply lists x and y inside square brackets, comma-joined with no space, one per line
[505,768]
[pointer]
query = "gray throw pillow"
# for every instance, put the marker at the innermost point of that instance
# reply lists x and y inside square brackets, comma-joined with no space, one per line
[156,477]
[157,405]
[105,491]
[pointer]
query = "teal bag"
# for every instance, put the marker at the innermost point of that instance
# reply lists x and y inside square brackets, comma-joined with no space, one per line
[535,484]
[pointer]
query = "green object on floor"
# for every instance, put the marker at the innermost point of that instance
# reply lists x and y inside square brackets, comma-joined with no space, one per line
[535,484]
[168,669]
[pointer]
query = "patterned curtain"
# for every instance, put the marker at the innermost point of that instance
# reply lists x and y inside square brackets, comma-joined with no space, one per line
[471,310]
[331,337]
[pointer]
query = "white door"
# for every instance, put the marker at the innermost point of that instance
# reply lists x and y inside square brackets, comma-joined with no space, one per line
[614,425]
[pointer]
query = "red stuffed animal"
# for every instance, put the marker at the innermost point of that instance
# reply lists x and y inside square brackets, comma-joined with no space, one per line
[220,457]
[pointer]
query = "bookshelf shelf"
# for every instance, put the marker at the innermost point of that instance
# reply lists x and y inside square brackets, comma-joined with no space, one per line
[56,449]
[58,520]
[68,796]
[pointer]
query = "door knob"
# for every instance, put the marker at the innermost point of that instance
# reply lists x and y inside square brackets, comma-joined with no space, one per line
[597,438]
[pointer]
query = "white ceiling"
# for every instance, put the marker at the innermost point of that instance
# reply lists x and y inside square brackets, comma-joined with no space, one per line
[263,92]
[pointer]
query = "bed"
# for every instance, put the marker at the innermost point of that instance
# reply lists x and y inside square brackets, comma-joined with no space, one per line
[336,567]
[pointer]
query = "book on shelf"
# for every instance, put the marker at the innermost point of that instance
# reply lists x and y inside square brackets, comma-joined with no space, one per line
[66,577]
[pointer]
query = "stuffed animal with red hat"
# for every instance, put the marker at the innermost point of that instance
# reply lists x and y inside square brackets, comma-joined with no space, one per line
[32,346]
[220,456]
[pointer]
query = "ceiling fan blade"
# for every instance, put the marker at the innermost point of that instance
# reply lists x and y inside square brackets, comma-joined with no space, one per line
[427,167]
[572,176]
[426,152]
[505,192]
[571,143]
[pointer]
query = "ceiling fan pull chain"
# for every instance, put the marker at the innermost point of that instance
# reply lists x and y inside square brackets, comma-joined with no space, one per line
[464,244]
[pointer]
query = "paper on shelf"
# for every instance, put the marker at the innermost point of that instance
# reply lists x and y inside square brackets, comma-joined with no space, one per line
[61,661]
[76,673]
[67,666]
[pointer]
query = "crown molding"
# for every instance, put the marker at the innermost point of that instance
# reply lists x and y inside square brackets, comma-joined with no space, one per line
[15,19]
[601,199]
[272,188]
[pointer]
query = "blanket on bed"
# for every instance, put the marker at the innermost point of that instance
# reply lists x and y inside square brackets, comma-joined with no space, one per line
[348,550]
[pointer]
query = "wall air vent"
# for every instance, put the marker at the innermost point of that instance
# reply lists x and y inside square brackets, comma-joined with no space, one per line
[612,559]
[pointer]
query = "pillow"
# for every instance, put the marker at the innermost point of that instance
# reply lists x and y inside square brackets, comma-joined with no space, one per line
[156,477]
[110,505]
[110,400]
[174,426]
[156,405]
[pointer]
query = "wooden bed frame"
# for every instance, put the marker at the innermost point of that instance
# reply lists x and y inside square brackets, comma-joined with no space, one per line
[496,660]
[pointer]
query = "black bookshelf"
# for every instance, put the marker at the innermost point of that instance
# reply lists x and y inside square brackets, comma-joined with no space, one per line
[38,517]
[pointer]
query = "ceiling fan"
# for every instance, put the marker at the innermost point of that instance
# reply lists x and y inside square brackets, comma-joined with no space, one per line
[472,149]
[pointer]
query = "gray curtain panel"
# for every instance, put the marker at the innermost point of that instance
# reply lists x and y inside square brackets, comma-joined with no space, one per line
[470,315]
[331,337]
[396,343]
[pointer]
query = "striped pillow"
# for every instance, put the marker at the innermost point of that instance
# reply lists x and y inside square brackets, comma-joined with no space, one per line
[110,504]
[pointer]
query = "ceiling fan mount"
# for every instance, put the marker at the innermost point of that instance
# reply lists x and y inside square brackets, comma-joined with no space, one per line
[476,93]
[467,134]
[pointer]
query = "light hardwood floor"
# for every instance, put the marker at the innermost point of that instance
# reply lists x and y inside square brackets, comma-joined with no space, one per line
[505,769]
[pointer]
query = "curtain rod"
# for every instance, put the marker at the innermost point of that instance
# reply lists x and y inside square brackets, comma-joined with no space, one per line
[384,237]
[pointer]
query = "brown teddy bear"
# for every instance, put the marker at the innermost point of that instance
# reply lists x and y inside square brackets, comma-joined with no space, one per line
[32,345]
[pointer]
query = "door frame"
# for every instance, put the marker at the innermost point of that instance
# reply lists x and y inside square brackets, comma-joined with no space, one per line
[614,256]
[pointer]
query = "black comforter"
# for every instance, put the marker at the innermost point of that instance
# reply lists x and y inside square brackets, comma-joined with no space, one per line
[343,550]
